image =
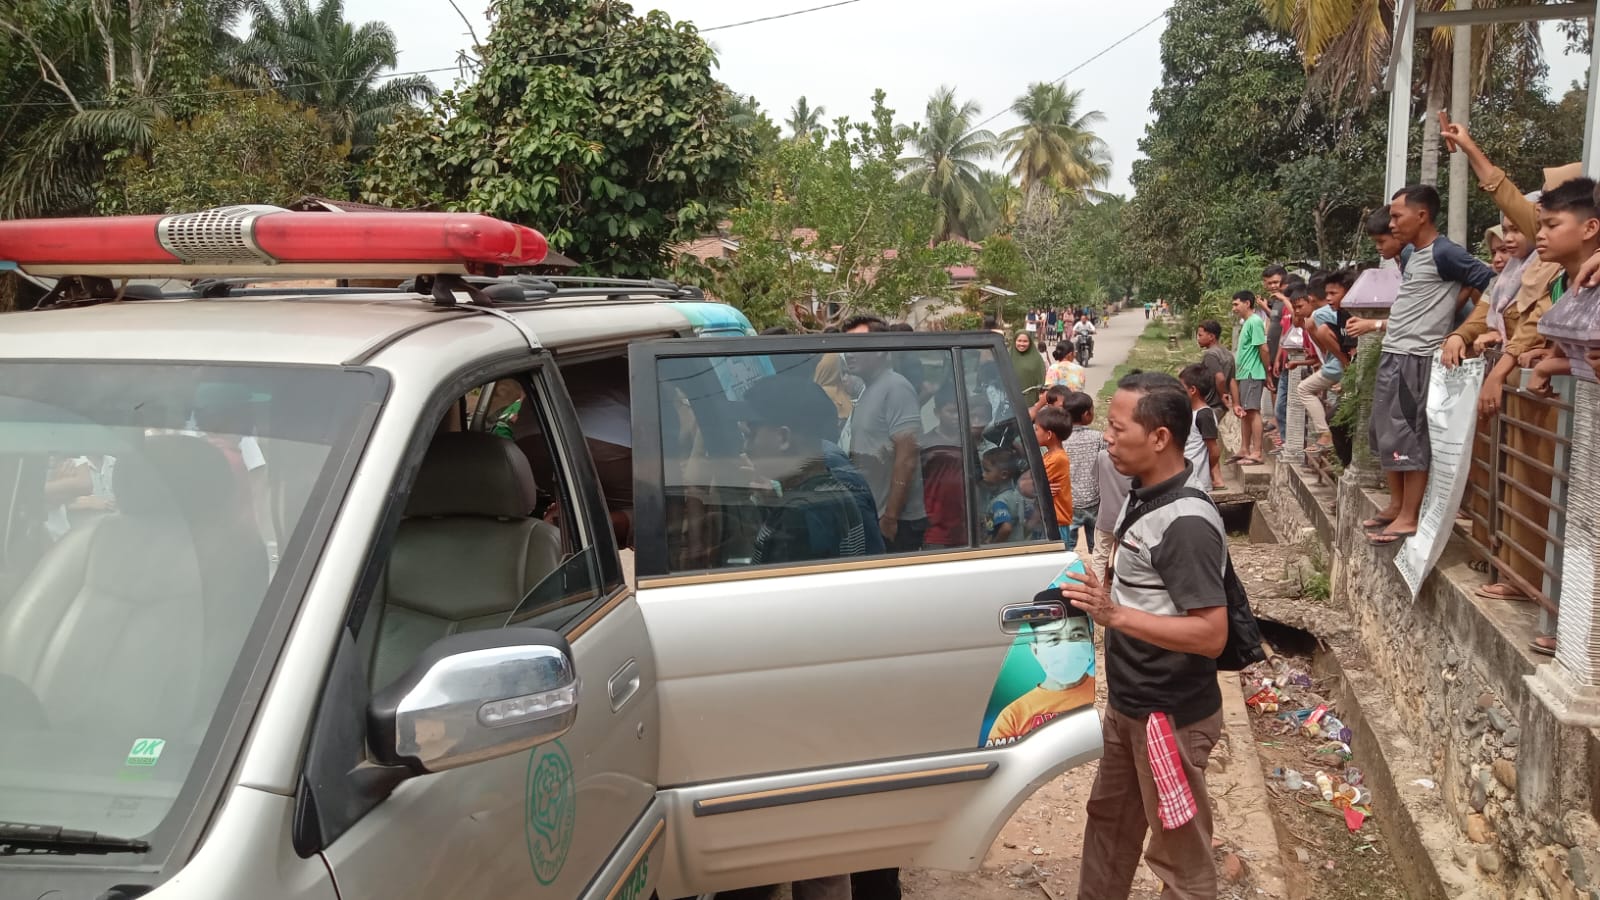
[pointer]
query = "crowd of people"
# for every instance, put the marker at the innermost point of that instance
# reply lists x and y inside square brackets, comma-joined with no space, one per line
[1136,488]
[1451,305]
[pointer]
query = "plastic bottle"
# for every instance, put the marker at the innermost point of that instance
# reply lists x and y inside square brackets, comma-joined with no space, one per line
[1325,785]
[1293,780]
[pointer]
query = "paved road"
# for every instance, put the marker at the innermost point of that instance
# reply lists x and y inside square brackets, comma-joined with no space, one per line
[1111,346]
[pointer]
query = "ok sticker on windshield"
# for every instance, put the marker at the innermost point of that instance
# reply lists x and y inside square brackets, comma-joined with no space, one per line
[145,752]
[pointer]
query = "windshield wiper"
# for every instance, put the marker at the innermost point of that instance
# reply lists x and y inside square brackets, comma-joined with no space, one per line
[20,838]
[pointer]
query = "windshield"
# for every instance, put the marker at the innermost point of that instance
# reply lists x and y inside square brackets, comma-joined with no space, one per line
[145,511]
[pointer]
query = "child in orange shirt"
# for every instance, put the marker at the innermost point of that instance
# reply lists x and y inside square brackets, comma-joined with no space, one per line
[1051,426]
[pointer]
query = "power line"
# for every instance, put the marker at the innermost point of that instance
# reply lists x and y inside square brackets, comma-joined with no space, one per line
[433,71]
[1107,49]
[797,12]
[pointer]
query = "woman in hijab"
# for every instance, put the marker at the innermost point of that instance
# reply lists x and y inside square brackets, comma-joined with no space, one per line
[1028,364]
[1503,328]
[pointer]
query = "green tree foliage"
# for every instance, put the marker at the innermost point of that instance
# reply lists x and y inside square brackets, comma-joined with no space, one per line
[831,232]
[90,80]
[1005,203]
[946,168]
[1056,144]
[1099,266]
[1522,129]
[1225,276]
[746,115]
[1077,252]
[1231,132]
[805,120]
[312,56]
[248,149]
[1000,263]
[603,129]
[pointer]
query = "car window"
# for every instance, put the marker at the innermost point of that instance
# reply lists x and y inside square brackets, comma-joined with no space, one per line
[806,457]
[145,513]
[1010,482]
[488,536]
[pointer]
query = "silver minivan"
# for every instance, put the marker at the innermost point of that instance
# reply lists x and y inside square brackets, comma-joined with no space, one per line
[477,588]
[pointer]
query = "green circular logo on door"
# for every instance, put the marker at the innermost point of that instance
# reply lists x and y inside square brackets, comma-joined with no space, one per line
[552,810]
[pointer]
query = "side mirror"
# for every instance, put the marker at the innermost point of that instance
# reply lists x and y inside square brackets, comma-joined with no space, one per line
[473,697]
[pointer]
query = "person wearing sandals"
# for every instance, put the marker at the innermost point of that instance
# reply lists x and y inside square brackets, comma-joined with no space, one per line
[1422,314]
[1250,377]
[1321,322]
[1505,327]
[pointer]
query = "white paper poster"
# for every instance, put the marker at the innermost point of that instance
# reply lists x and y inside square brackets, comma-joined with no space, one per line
[1452,417]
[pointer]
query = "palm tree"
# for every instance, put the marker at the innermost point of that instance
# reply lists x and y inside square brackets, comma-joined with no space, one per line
[1055,145]
[1005,202]
[91,80]
[1345,44]
[805,120]
[946,167]
[313,56]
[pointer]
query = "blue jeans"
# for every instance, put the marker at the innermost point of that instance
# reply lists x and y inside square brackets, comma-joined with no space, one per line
[1082,517]
[1282,412]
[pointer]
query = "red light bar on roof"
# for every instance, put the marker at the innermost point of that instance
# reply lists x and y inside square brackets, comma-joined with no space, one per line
[267,240]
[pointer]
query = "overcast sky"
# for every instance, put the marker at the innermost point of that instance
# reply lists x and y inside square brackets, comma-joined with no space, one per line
[988,51]
[836,57]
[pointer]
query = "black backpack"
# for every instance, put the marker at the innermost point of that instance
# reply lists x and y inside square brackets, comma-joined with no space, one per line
[1243,647]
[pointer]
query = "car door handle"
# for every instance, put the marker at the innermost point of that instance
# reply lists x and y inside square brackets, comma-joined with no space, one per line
[1013,617]
[623,685]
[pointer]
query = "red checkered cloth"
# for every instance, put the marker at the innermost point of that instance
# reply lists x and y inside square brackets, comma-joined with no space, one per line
[1166,766]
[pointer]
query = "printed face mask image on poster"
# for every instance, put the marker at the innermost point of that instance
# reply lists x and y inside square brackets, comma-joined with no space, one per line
[1048,671]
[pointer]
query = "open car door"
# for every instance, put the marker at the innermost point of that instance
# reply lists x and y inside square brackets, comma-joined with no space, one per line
[843,549]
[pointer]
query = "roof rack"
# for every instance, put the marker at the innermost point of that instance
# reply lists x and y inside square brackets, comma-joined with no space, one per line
[522,289]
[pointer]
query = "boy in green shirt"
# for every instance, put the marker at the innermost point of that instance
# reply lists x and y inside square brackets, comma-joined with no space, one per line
[1250,374]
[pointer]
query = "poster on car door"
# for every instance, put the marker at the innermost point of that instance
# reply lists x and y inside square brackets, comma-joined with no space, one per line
[1048,671]
[1452,416]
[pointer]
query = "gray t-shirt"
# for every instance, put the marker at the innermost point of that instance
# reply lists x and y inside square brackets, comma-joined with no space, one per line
[1217,359]
[1424,311]
[887,407]
[1113,492]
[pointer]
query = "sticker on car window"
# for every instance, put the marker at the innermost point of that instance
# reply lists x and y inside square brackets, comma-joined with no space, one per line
[145,752]
[1048,671]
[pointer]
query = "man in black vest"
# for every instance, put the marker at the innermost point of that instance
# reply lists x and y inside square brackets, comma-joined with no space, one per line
[1166,620]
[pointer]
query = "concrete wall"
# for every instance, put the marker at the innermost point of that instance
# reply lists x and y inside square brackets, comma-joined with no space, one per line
[1517,794]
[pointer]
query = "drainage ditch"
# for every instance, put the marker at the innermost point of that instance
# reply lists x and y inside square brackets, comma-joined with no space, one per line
[1298,726]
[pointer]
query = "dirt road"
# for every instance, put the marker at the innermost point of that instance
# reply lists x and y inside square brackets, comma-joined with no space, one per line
[1111,346]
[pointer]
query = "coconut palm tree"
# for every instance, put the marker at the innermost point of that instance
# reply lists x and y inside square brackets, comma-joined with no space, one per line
[1005,200]
[1055,145]
[805,120]
[313,56]
[946,165]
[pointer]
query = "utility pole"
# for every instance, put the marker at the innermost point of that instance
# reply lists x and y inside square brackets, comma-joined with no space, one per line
[1460,111]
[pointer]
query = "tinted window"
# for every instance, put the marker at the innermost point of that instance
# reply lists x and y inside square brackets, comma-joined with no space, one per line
[785,458]
[1009,484]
